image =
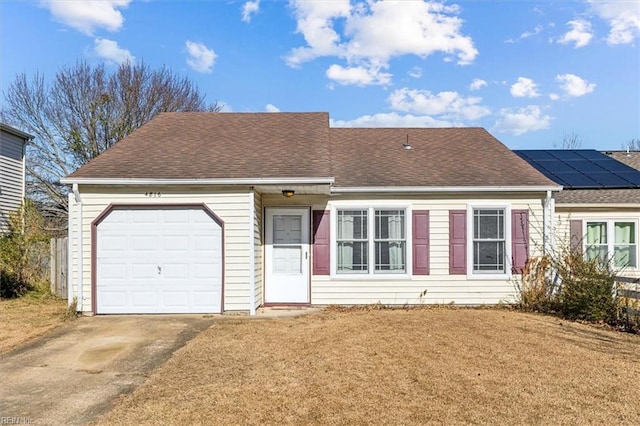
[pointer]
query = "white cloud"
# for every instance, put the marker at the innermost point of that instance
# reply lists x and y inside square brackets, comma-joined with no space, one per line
[415,72]
[250,8]
[358,76]
[448,105]
[109,50]
[554,96]
[369,34]
[201,58]
[393,119]
[477,84]
[574,86]
[537,30]
[524,88]
[271,108]
[623,18]
[522,120]
[580,34]
[87,16]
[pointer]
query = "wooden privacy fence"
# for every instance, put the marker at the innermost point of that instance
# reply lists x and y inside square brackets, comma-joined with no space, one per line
[58,266]
[628,294]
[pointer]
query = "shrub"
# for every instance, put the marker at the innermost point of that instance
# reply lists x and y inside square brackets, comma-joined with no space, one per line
[23,252]
[587,288]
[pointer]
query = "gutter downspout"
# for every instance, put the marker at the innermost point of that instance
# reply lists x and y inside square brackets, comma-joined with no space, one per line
[546,219]
[78,200]
[69,250]
[252,254]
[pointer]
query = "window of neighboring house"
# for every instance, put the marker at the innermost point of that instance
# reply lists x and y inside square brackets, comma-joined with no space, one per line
[613,241]
[364,234]
[489,242]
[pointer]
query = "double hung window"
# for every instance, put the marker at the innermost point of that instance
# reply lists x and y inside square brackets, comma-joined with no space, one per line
[371,240]
[613,241]
[489,241]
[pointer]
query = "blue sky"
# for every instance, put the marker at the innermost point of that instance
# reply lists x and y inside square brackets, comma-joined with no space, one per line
[529,72]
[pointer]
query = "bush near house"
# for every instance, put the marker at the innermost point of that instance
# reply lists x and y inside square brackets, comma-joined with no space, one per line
[23,253]
[569,285]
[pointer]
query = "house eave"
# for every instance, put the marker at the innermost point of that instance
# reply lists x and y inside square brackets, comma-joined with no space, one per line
[234,181]
[19,133]
[438,189]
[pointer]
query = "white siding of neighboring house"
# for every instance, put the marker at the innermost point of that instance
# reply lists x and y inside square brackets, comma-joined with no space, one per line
[11,175]
[565,214]
[257,239]
[231,207]
[440,287]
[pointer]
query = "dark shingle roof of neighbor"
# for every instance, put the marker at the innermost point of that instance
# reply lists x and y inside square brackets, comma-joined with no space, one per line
[631,158]
[281,145]
[598,196]
[582,168]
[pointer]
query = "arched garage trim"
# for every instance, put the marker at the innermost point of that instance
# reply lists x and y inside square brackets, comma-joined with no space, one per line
[111,207]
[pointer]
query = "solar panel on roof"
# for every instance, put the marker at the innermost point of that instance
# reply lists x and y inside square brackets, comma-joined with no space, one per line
[633,177]
[585,166]
[608,179]
[564,155]
[537,155]
[591,154]
[582,168]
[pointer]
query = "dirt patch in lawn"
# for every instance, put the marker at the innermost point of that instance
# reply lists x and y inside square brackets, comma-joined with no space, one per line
[28,317]
[394,366]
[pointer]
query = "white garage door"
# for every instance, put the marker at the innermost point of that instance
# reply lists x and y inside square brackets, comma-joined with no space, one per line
[161,260]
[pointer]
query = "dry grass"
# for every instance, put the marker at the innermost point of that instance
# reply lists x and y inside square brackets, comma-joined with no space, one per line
[394,367]
[28,317]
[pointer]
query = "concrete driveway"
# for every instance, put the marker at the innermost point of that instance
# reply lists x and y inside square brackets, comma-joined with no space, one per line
[73,375]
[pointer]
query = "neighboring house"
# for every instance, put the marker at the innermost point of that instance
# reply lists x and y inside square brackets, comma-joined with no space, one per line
[13,144]
[213,212]
[598,210]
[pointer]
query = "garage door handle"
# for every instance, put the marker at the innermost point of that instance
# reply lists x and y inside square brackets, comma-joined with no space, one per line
[159,270]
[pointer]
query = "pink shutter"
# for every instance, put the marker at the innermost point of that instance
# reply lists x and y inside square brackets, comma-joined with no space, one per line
[457,242]
[576,235]
[519,239]
[420,227]
[321,247]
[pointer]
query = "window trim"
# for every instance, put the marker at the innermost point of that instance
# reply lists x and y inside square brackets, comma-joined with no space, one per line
[371,207]
[611,239]
[471,274]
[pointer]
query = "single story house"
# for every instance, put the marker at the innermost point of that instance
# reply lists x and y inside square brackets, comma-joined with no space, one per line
[13,144]
[218,212]
[598,210]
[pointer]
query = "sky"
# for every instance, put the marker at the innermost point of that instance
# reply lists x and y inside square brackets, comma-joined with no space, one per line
[532,73]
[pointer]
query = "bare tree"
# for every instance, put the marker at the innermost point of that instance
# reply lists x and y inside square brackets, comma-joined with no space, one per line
[84,111]
[570,140]
[633,144]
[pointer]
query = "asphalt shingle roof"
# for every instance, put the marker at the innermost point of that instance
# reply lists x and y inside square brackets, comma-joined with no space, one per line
[281,145]
[599,196]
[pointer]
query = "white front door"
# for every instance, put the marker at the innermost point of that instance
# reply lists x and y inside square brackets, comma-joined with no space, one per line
[287,255]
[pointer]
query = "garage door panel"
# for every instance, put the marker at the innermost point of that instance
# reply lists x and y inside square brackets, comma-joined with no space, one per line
[175,271]
[144,298]
[161,260]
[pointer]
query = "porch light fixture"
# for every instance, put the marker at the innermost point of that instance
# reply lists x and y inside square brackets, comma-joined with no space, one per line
[288,192]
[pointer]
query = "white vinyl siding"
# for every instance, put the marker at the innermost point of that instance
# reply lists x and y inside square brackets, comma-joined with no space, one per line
[440,286]
[257,238]
[231,207]
[11,175]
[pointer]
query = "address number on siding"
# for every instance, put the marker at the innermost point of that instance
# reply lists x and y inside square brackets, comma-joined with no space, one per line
[152,194]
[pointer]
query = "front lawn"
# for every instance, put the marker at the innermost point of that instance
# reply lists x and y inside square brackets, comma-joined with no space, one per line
[28,317]
[420,366]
